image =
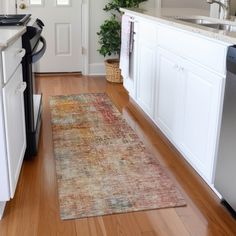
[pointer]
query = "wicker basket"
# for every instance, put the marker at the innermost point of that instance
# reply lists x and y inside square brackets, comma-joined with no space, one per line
[113,73]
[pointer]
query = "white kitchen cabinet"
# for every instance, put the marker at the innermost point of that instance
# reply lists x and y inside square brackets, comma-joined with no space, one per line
[11,59]
[202,102]
[12,120]
[194,47]
[187,108]
[169,96]
[13,101]
[180,95]
[180,79]
[146,63]
[4,177]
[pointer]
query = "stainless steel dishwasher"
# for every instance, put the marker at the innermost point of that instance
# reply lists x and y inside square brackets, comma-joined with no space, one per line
[225,177]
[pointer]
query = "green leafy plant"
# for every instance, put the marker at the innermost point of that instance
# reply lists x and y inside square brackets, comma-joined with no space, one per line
[110,31]
[116,4]
[109,37]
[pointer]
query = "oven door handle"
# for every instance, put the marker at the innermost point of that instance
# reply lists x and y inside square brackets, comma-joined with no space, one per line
[37,55]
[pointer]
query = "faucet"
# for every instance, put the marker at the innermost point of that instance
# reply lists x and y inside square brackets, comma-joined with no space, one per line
[225,6]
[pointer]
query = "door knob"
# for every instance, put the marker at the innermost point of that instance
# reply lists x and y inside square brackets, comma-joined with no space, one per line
[22,6]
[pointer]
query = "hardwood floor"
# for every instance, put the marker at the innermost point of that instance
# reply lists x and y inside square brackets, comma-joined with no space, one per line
[35,208]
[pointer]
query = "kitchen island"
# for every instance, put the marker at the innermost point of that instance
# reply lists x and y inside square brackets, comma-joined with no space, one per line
[177,77]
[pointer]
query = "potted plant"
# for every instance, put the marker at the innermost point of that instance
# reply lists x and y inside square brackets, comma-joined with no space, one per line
[110,37]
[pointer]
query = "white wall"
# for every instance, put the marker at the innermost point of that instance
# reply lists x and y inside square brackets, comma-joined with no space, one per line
[186,7]
[97,16]
[215,9]
[233,7]
[185,4]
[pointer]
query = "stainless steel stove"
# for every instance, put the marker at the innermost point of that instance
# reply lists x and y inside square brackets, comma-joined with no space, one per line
[35,46]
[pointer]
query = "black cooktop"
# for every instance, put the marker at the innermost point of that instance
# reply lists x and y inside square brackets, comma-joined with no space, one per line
[11,20]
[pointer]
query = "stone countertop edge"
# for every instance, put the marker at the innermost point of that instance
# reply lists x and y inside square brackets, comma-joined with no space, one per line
[156,15]
[9,35]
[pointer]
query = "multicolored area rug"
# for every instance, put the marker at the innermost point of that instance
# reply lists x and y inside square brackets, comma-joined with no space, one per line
[102,166]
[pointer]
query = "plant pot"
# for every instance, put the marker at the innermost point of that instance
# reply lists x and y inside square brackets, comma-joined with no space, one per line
[113,72]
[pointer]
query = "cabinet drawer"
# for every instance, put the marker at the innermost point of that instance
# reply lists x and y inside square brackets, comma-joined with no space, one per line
[11,58]
[194,47]
[147,32]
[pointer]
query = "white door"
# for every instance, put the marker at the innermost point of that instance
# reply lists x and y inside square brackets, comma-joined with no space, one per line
[62,31]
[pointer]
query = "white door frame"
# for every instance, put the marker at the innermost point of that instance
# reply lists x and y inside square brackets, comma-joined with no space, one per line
[11,8]
[85,36]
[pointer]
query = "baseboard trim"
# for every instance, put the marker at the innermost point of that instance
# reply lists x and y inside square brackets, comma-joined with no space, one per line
[97,69]
[94,69]
[2,208]
[52,74]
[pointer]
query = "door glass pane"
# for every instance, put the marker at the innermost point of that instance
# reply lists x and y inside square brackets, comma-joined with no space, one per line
[63,2]
[35,2]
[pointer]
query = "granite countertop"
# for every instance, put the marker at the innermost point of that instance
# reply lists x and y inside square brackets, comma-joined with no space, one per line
[172,18]
[9,34]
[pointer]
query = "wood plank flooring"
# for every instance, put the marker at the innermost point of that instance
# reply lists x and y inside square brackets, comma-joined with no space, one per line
[35,208]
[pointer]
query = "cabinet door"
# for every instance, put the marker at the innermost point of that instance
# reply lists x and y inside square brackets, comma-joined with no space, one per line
[4,180]
[146,76]
[15,126]
[170,95]
[202,112]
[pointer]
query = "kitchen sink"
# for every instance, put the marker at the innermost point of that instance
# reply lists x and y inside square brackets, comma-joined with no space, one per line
[226,27]
[210,24]
[195,21]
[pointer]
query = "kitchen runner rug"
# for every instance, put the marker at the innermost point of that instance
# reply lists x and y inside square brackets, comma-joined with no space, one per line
[102,166]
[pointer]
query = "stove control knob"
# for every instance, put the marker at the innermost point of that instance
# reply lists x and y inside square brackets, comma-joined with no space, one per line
[22,6]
